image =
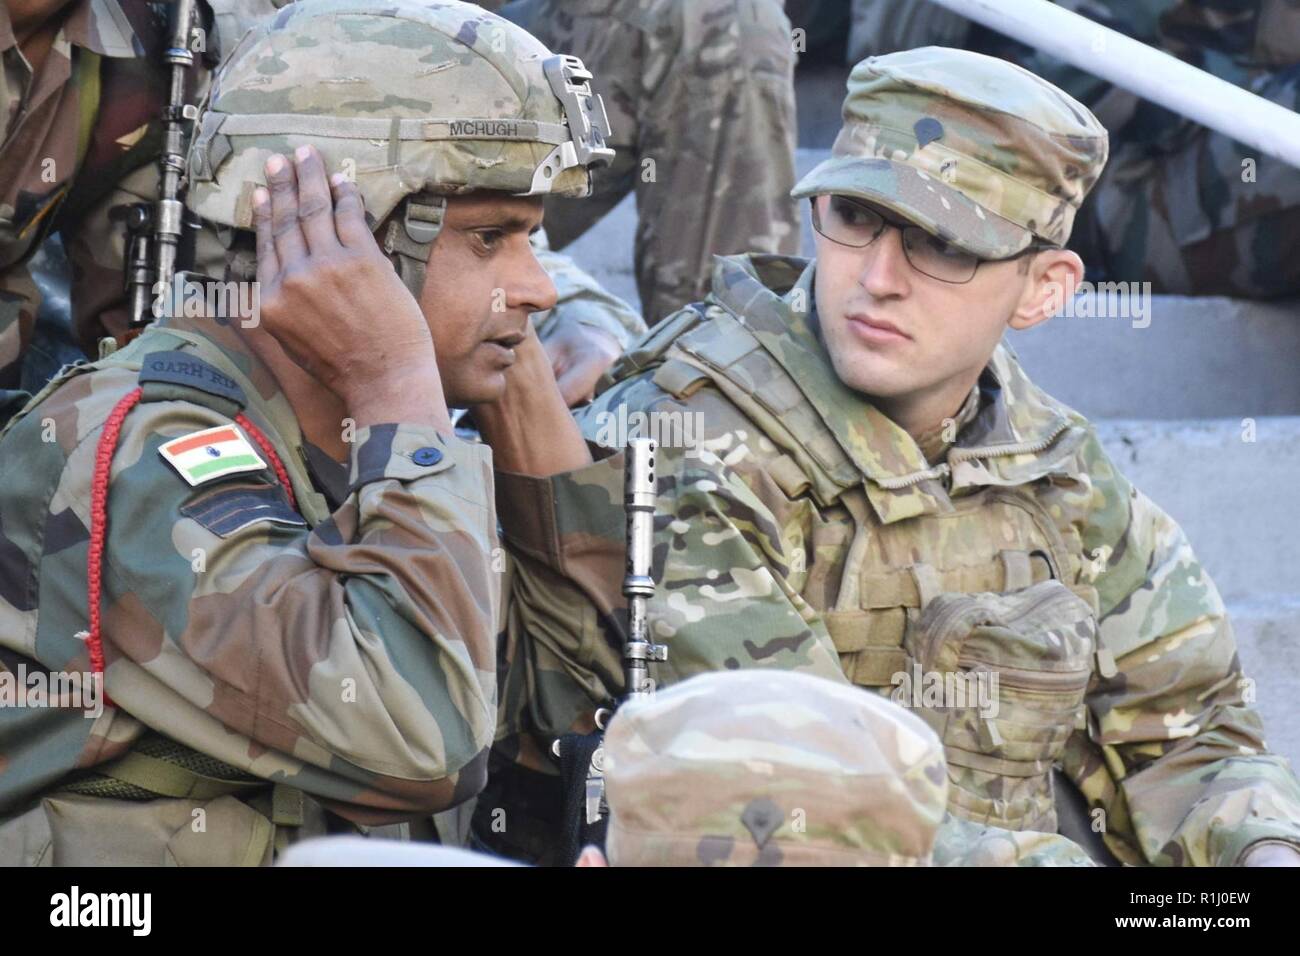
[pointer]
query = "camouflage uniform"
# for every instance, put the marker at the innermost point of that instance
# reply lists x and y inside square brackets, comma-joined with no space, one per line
[301,636]
[61,152]
[800,528]
[1181,206]
[743,769]
[701,101]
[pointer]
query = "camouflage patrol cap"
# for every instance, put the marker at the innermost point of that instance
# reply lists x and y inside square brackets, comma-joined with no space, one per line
[975,150]
[437,98]
[768,767]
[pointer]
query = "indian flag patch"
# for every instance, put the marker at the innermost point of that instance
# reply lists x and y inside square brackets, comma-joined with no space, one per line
[210,454]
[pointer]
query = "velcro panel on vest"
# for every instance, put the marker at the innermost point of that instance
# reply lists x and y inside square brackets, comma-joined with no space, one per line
[875,640]
[679,379]
[789,477]
[750,376]
[1014,571]
[655,343]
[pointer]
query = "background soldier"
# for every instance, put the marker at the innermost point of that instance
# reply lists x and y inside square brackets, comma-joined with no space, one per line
[178,518]
[881,494]
[80,109]
[700,96]
[1183,207]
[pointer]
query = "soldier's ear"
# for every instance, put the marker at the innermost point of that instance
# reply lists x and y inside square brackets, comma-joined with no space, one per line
[1054,276]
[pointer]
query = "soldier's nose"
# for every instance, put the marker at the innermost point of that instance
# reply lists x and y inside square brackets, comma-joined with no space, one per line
[885,267]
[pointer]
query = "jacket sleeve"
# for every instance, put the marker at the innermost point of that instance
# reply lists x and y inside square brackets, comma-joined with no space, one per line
[722,602]
[1175,752]
[353,660]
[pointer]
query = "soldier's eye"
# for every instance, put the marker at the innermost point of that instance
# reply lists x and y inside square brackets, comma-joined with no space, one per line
[932,245]
[851,214]
[489,240]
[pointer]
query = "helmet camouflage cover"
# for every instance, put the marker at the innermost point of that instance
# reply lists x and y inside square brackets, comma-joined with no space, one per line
[765,767]
[408,99]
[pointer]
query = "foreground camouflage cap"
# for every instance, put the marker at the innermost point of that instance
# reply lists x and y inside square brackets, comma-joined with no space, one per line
[974,149]
[768,768]
[408,97]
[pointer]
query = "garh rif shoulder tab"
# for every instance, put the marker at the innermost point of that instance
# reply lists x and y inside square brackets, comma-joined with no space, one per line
[159,370]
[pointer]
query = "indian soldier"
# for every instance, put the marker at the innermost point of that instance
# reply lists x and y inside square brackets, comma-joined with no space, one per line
[84,87]
[259,536]
[857,480]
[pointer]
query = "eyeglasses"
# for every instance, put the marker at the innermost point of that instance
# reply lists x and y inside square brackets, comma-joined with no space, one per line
[852,223]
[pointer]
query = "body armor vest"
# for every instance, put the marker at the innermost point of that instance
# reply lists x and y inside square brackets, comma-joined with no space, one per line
[991,583]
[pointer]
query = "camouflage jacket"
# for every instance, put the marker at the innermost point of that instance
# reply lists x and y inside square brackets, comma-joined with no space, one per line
[798,527]
[343,647]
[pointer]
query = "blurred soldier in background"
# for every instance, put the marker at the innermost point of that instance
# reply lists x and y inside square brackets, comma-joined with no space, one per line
[1181,206]
[700,95]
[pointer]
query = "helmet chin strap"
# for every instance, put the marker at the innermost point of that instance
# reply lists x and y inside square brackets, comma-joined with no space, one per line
[411,237]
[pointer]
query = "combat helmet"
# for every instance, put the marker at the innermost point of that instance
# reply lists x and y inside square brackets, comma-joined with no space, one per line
[413,101]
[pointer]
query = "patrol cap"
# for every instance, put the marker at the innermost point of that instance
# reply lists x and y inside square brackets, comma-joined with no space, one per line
[976,150]
[766,767]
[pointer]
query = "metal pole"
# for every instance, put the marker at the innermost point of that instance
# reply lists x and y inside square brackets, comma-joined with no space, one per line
[1150,73]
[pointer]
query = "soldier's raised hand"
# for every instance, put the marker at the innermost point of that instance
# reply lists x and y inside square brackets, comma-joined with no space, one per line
[333,302]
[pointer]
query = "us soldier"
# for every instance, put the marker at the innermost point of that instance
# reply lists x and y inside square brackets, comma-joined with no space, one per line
[769,768]
[872,489]
[290,643]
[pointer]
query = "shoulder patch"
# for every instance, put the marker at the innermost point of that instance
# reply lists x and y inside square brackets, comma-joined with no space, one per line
[233,507]
[186,368]
[210,454]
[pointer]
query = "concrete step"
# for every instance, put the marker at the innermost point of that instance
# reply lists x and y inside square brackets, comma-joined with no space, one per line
[1270,655]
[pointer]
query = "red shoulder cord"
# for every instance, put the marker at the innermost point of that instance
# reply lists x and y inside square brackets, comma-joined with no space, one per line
[99,512]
